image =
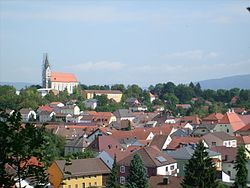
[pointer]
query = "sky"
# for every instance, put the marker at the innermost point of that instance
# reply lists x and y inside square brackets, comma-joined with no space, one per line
[130,42]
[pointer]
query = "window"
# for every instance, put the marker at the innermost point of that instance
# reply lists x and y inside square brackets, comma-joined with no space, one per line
[122,169]
[89,184]
[227,130]
[122,180]
[166,168]
[213,143]
[172,167]
[83,185]
[95,184]
[76,185]
[69,186]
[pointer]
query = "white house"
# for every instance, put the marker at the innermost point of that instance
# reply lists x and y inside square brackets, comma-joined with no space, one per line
[90,103]
[28,114]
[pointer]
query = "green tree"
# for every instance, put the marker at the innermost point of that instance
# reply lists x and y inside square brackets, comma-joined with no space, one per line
[240,166]
[88,153]
[113,177]
[18,145]
[119,87]
[137,177]
[200,170]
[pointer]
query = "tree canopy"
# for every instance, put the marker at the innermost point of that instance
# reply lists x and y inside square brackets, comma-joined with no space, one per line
[200,170]
[137,177]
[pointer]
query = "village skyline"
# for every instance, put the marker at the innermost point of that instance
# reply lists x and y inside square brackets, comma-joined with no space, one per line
[125,42]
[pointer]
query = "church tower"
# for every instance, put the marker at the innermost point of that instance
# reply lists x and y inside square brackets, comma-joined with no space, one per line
[46,72]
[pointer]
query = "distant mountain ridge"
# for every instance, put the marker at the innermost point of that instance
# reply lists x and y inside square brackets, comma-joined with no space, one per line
[238,81]
[17,85]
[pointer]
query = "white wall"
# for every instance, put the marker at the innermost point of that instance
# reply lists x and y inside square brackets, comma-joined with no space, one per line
[162,170]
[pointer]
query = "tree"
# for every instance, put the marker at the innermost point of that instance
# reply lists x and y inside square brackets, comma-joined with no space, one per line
[200,170]
[137,177]
[113,178]
[19,144]
[240,166]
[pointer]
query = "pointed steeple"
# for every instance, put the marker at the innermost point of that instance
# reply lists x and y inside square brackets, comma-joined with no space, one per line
[46,72]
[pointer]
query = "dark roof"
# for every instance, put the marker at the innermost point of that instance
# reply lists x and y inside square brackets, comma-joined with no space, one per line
[83,167]
[151,157]
[228,154]
[123,113]
[157,182]
[223,136]
[187,152]
[159,141]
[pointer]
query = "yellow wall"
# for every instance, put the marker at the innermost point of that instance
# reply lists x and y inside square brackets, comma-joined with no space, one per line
[55,175]
[116,97]
[72,182]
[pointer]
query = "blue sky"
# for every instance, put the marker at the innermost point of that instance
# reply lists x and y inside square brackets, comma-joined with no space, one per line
[142,42]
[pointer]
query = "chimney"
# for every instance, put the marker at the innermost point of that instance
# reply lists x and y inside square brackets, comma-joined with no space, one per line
[165,180]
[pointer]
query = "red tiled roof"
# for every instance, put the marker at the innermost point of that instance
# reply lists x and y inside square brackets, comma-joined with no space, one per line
[149,156]
[245,128]
[191,119]
[233,119]
[63,77]
[45,108]
[214,117]
[178,140]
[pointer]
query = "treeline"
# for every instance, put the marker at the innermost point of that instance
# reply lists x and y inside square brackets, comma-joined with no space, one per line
[168,95]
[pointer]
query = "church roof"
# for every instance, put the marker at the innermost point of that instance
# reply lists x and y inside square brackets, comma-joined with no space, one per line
[63,77]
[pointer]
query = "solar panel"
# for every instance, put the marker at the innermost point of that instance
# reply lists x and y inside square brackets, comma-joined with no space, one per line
[161,159]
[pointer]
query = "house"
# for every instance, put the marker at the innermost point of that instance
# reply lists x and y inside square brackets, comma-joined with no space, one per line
[155,161]
[158,108]
[161,141]
[115,95]
[230,123]
[44,108]
[185,153]
[56,104]
[46,116]
[220,139]
[44,91]
[78,173]
[121,125]
[70,109]
[90,103]
[244,131]
[183,106]
[240,111]
[28,114]
[180,141]
[77,144]
[165,182]
[106,158]
[203,129]
[245,142]
[104,142]
[141,108]
[193,120]
[132,102]
[124,114]
[228,156]
[213,118]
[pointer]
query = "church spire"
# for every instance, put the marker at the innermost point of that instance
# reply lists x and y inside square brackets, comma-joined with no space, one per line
[46,72]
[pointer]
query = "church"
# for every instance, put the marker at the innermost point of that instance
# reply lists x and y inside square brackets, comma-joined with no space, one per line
[57,80]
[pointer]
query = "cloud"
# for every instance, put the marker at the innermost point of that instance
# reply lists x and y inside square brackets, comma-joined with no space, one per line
[190,55]
[98,66]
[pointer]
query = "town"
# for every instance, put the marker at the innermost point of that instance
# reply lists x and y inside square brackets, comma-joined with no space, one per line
[63,133]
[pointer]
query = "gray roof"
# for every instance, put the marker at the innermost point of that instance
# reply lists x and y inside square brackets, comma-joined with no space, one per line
[123,113]
[187,152]
[83,167]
